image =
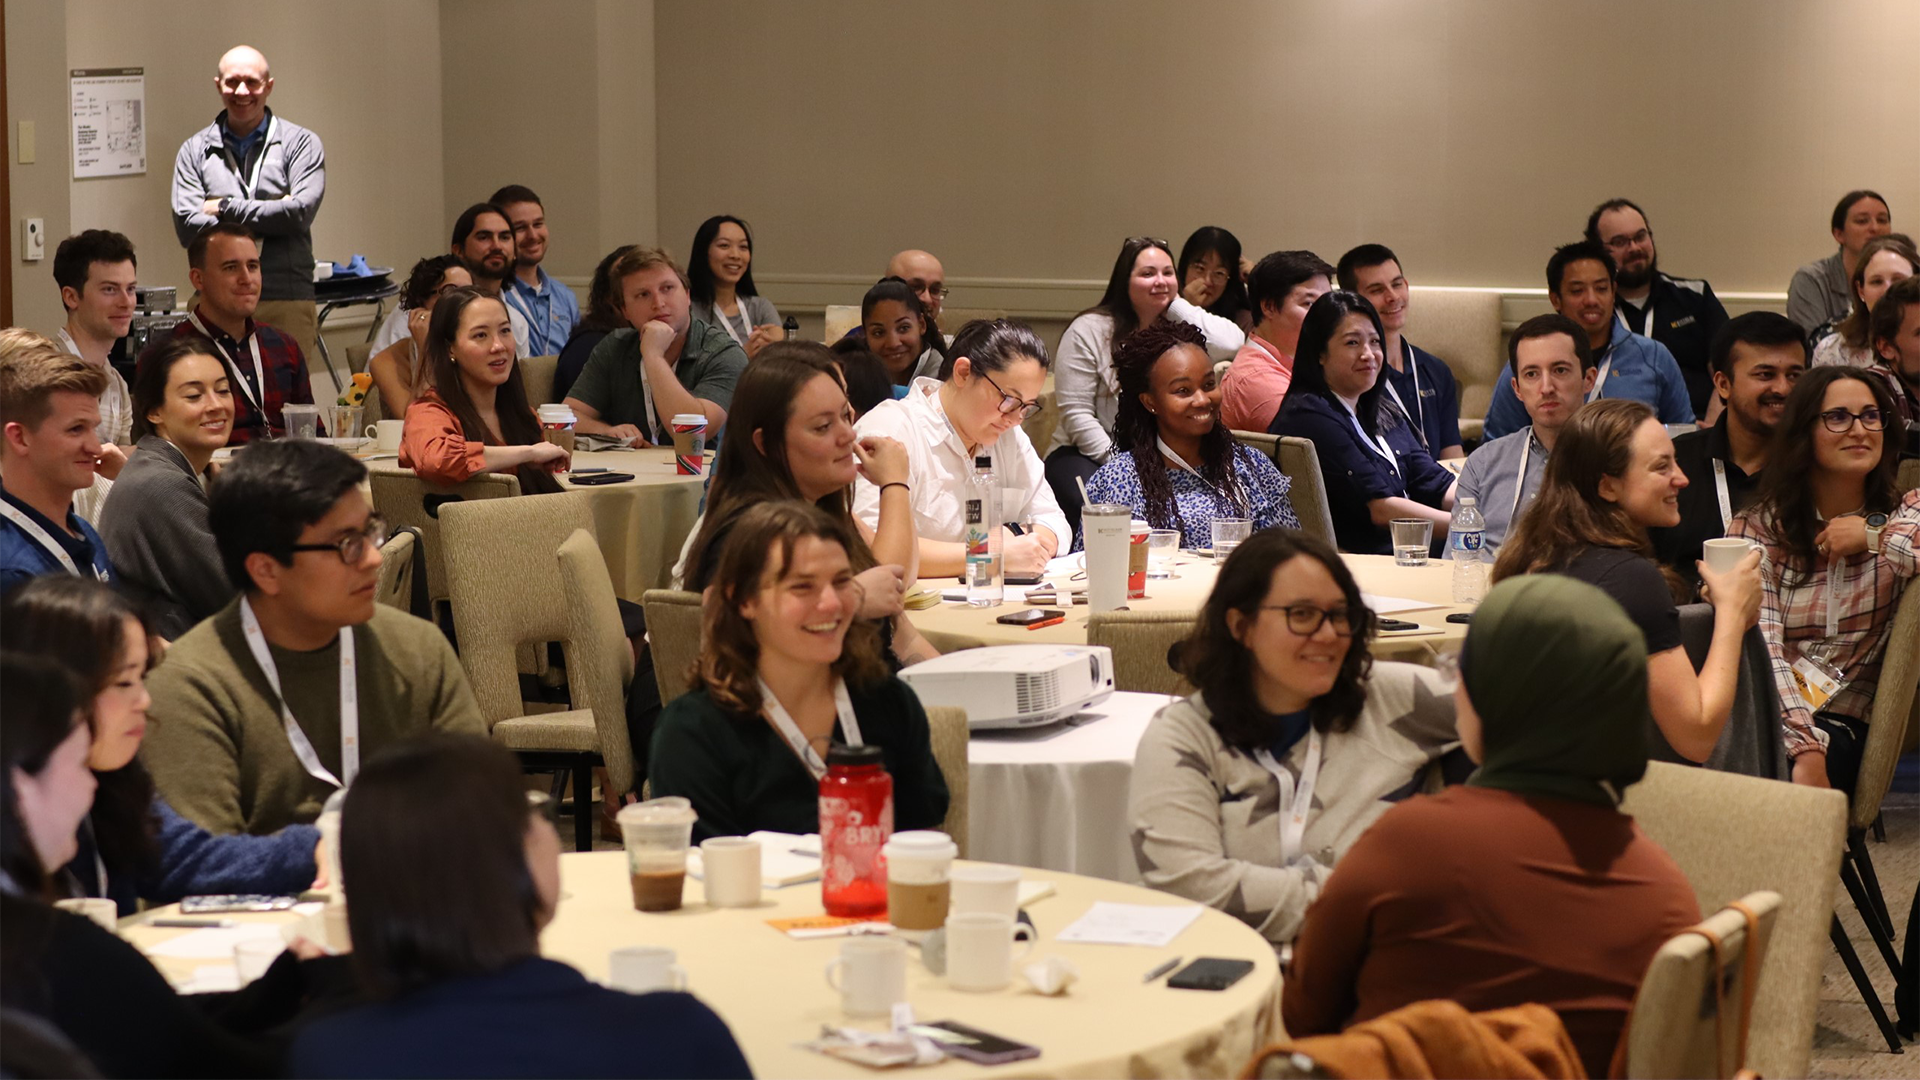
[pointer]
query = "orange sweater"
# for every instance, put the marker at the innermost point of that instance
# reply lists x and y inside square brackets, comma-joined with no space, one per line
[434,445]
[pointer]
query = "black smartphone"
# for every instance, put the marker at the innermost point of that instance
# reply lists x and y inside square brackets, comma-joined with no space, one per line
[1398,624]
[1461,617]
[972,1044]
[600,478]
[1025,579]
[1030,615]
[1210,973]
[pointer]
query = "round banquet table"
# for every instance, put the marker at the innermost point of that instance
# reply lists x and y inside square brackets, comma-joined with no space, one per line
[772,990]
[952,625]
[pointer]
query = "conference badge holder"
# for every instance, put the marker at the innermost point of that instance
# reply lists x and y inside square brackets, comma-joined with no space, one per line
[1817,681]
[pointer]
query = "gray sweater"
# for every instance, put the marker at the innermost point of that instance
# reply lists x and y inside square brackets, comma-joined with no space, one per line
[291,180]
[155,526]
[1206,818]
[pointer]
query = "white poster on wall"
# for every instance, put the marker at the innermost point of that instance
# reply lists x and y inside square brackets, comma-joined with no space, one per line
[109,121]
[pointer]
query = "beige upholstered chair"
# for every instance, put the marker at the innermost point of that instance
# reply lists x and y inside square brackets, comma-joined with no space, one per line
[1139,640]
[1462,327]
[599,658]
[1734,835]
[1908,477]
[673,634]
[839,319]
[405,499]
[396,571]
[948,726]
[1039,427]
[358,355]
[1671,1034]
[506,590]
[1307,490]
[373,410]
[537,373]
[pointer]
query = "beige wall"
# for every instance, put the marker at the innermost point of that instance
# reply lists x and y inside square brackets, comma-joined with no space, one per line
[1022,141]
[37,91]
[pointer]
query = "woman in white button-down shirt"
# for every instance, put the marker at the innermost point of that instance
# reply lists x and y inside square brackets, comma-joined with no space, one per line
[999,370]
[1141,289]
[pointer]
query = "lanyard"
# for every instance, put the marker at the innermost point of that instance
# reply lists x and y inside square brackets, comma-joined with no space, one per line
[790,731]
[1378,444]
[1294,804]
[727,324]
[1419,419]
[1520,475]
[46,542]
[259,372]
[349,702]
[1600,380]
[1646,311]
[1181,463]
[1720,489]
[250,183]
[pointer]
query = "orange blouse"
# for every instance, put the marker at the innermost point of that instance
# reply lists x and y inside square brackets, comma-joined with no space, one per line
[435,446]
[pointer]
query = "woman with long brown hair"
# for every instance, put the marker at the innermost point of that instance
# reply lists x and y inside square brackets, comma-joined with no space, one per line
[1611,477]
[1885,261]
[475,417]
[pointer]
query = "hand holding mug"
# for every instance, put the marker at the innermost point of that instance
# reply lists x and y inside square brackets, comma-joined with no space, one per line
[1736,591]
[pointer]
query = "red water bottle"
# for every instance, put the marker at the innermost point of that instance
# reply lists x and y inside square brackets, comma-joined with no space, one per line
[856,818]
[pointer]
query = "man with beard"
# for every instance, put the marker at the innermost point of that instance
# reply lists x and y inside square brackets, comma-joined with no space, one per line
[1756,358]
[1680,313]
[1580,280]
[483,242]
[1552,369]
[550,308]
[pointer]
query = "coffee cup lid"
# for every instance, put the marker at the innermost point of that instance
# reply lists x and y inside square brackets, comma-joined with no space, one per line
[925,843]
[669,810]
[689,418]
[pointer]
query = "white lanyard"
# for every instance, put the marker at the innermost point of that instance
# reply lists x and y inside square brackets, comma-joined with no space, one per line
[727,324]
[1520,474]
[1600,380]
[349,702]
[1836,569]
[1181,463]
[1720,489]
[1378,443]
[1294,804]
[250,183]
[47,543]
[790,731]
[1419,419]
[259,373]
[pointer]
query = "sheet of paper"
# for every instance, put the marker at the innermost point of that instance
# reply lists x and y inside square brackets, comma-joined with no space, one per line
[1153,925]
[785,859]
[1393,605]
[211,979]
[215,943]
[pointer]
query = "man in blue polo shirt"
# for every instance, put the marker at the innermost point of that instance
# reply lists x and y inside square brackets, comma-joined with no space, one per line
[1418,381]
[1580,285]
[49,404]
[550,308]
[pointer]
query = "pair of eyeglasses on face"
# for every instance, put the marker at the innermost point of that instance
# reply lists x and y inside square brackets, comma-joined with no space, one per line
[352,548]
[937,291]
[1622,243]
[1840,421]
[1012,403]
[1306,620]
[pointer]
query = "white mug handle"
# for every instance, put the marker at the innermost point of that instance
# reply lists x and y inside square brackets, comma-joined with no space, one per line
[677,976]
[834,965]
[372,432]
[1023,932]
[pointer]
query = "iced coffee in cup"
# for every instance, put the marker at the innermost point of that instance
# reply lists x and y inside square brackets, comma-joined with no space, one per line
[556,426]
[919,865]
[657,833]
[689,442]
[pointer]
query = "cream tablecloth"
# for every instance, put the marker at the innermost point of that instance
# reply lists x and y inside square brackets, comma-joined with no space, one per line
[641,523]
[772,992]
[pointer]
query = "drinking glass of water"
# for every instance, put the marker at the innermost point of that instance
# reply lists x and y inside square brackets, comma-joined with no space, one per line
[1227,534]
[1162,544]
[1411,537]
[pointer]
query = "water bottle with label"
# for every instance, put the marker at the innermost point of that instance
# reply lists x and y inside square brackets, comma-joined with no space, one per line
[983,536]
[1466,546]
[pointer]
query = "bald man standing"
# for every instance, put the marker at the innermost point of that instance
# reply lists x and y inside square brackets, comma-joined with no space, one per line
[255,169]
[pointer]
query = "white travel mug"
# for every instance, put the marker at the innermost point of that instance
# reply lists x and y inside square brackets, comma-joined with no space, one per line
[1107,529]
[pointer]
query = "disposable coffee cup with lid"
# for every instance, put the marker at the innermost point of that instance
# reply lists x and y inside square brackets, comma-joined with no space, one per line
[919,857]
[557,414]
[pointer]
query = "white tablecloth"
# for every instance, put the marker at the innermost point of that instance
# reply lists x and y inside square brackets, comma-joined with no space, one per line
[1056,798]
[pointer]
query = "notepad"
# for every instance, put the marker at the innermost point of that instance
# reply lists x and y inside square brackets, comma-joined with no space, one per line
[1153,925]
[785,859]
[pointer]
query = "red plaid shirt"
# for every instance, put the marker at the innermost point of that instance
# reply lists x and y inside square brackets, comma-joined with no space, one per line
[1793,617]
[282,363]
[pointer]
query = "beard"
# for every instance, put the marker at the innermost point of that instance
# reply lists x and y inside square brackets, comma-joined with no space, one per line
[478,268]
[1639,279]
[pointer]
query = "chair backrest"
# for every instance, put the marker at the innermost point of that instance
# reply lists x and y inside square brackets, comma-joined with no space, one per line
[1750,744]
[537,373]
[673,634]
[1139,640]
[373,410]
[1690,1017]
[358,354]
[405,499]
[1734,835]
[599,660]
[840,318]
[1039,427]
[948,726]
[1307,488]
[1896,707]
[396,571]
[505,587]
[1462,327]
[1908,476]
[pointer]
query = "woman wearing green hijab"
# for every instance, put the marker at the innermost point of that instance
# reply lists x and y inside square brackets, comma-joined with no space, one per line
[1528,884]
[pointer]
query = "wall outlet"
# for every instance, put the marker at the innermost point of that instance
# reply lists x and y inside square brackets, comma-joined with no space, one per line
[33,240]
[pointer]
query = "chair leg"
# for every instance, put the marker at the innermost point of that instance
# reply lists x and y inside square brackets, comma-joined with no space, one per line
[1857,845]
[1880,827]
[584,807]
[1868,915]
[1844,947]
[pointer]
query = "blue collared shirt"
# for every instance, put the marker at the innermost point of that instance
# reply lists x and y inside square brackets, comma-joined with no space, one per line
[1436,408]
[1502,485]
[551,312]
[242,145]
[22,557]
[1637,367]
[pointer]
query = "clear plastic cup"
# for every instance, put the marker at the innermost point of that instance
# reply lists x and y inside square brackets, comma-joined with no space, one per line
[1162,545]
[657,834]
[1412,537]
[1227,534]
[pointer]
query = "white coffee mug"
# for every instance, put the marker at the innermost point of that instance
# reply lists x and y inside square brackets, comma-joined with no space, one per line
[386,433]
[980,952]
[643,969]
[1723,553]
[730,871]
[99,909]
[994,890]
[872,974]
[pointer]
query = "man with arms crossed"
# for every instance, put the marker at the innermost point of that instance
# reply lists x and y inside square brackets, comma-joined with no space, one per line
[549,307]
[49,406]
[96,274]
[1680,313]
[264,709]
[1552,368]
[1418,381]
[483,242]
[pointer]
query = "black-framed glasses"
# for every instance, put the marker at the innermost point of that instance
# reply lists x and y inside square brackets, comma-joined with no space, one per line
[1622,243]
[353,547]
[1840,421]
[1306,620]
[937,290]
[1011,403]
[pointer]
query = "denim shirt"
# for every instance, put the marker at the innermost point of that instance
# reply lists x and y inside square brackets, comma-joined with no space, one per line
[1637,367]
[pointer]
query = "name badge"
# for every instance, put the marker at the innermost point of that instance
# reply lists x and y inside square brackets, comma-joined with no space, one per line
[1678,323]
[1817,681]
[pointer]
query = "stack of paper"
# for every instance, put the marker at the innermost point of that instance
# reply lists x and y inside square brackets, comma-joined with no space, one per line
[1153,925]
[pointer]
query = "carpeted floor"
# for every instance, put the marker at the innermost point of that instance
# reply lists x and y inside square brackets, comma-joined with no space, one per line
[1846,1043]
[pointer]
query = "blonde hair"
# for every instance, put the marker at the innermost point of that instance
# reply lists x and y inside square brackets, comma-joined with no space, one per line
[33,369]
[641,257]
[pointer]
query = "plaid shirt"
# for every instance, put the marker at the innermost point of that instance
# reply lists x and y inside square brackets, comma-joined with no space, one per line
[281,362]
[1793,617]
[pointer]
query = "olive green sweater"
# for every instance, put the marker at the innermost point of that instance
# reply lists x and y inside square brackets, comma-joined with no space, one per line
[215,744]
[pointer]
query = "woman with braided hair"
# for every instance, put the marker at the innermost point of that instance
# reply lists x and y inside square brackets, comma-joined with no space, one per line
[1175,463]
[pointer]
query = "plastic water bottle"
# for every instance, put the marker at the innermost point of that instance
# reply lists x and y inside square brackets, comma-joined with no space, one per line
[1467,547]
[791,328]
[984,588]
[856,819]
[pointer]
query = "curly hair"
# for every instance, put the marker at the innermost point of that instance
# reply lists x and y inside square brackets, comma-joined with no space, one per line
[423,281]
[1136,432]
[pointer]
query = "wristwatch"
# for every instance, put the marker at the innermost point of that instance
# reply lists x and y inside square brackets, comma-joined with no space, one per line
[1875,523]
[225,201]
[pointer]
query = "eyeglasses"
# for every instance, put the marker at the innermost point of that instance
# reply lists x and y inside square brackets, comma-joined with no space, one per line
[1622,243]
[352,548]
[937,291]
[1306,620]
[1840,421]
[1012,403]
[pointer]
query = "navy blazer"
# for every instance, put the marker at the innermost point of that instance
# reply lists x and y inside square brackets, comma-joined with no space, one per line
[1356,473]
[536,1018]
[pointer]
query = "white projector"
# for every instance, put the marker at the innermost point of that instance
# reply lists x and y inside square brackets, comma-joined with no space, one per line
[1015,686]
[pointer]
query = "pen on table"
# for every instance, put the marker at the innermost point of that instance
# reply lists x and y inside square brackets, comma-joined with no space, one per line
[214,924]
[1162,970]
